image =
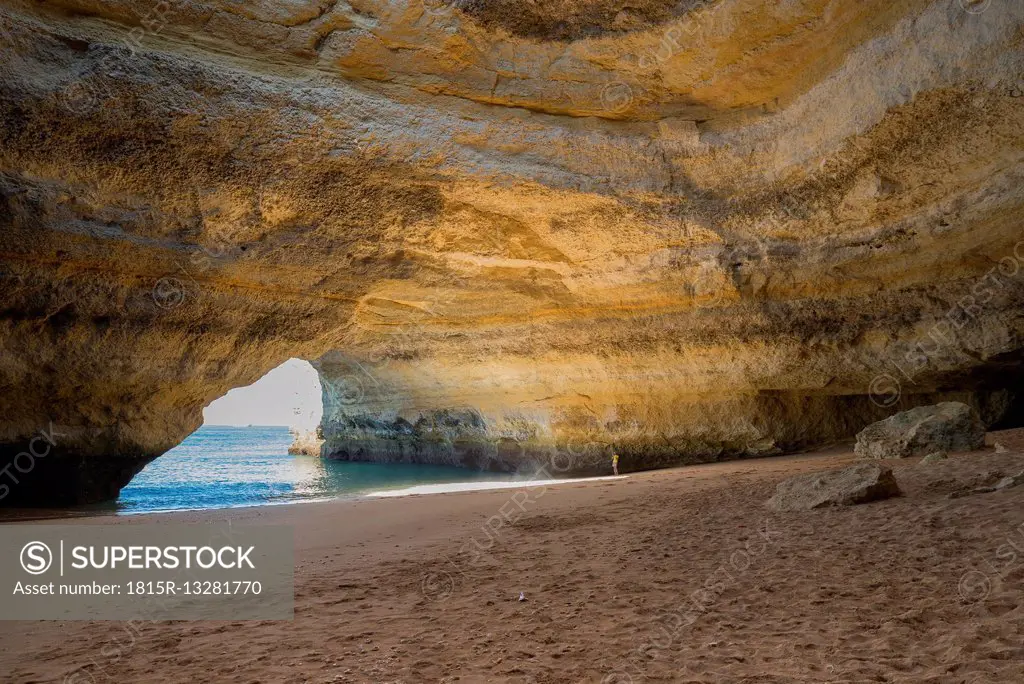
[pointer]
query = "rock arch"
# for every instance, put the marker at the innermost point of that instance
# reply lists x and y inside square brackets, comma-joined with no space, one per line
[721,232]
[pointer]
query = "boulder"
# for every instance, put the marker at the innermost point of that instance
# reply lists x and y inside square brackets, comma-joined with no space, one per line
[857,484]
[949,426]
[935,457]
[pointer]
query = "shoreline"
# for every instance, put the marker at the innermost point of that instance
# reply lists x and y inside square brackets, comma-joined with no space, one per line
[17,516]
[862,593]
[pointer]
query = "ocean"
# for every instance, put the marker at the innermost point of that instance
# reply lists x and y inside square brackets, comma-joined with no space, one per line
[227,467]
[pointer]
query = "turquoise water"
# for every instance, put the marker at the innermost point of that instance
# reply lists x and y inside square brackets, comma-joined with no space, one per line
[225,467]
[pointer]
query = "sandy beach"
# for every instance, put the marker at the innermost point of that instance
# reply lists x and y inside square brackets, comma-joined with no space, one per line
[670,576]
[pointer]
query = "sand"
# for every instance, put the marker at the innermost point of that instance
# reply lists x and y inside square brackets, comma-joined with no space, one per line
[670,576]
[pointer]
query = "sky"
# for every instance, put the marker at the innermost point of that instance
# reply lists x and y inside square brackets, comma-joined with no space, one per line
[288,395]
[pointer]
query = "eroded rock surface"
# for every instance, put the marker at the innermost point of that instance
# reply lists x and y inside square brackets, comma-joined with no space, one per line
[509,235]
[949,426]
[305,443]
[861,483]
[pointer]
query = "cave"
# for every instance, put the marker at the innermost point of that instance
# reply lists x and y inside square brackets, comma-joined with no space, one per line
[502,238]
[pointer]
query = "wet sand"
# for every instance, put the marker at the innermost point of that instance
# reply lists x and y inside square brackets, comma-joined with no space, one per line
[669,576]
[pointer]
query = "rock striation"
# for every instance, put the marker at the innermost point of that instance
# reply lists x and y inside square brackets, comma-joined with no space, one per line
[510,236]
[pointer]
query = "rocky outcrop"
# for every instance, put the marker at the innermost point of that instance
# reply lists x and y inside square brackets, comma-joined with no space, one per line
[861,483]
[306,443]
[949,426]
[676,231]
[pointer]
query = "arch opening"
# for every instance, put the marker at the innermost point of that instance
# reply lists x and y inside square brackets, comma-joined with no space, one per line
[259,445]
[244,452]
[289,395]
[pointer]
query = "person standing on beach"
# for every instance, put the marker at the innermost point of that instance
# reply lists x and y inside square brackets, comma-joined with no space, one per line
[615,463]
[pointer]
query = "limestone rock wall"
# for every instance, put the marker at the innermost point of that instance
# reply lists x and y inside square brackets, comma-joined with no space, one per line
[678,230]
